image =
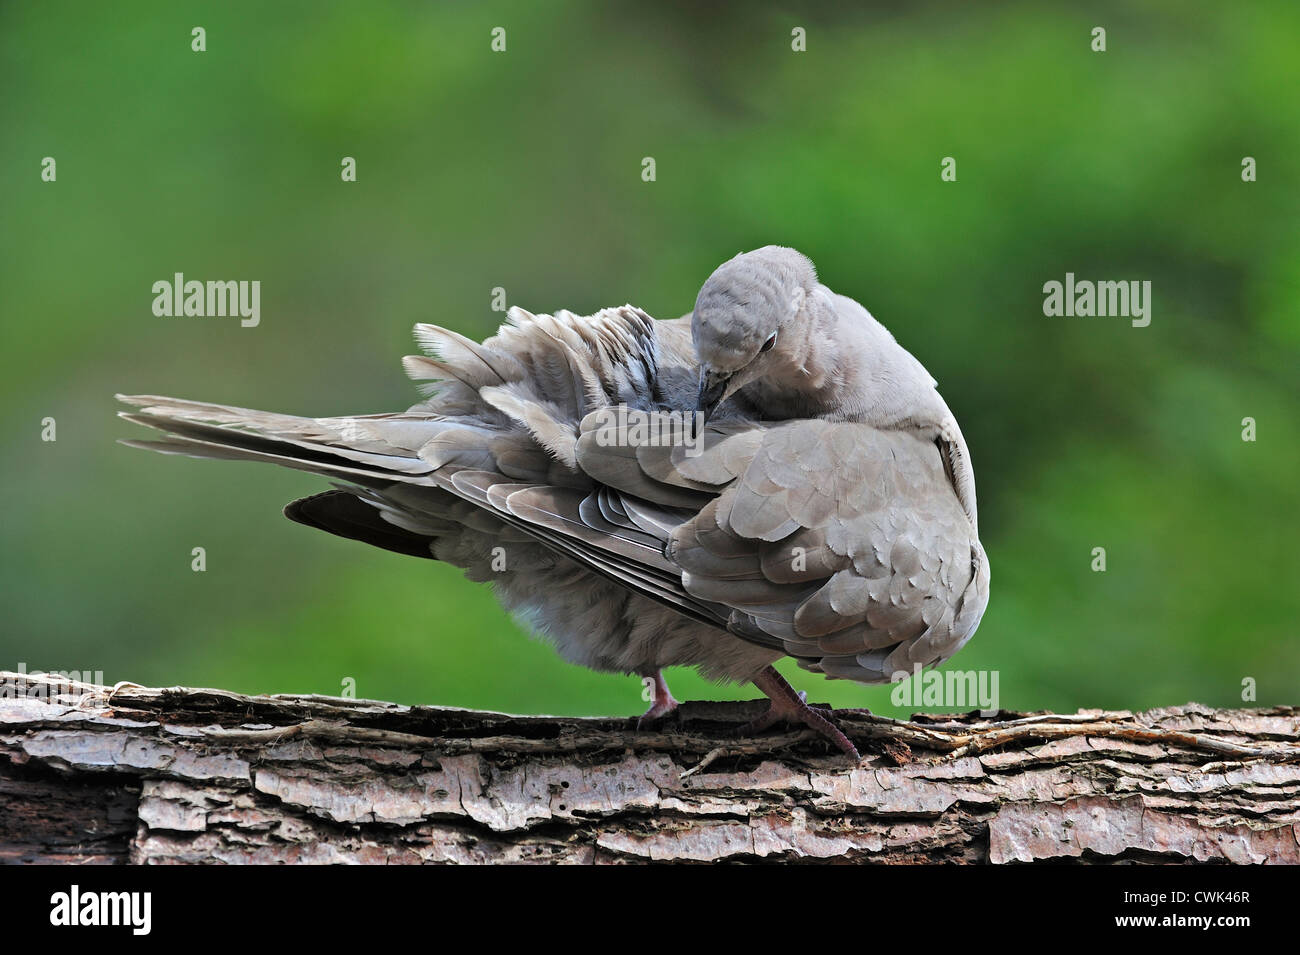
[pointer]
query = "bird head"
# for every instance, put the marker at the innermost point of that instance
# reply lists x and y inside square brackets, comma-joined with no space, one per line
[743,319]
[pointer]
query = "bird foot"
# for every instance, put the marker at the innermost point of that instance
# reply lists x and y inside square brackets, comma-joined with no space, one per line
[791,707]
[661,704]
[656,712]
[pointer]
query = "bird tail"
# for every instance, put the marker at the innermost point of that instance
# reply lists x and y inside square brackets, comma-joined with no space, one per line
[508,408]
[372,458]
[369,450]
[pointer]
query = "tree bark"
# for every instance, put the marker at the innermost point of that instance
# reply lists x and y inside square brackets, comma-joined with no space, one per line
[177,775]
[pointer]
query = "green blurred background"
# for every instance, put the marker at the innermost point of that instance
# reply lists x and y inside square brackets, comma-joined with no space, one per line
[523,170]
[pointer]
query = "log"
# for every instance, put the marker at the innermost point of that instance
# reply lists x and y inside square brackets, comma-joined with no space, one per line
[134,774]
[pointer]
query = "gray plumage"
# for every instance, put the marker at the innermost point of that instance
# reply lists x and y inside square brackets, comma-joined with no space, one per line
[829,514]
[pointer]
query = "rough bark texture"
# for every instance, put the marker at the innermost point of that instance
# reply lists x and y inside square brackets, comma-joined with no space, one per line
[93,774]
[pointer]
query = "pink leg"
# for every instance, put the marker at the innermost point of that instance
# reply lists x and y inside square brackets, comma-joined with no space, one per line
[661,704]
[789,707]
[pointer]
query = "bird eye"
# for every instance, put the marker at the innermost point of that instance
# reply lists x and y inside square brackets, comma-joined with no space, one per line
[767,345]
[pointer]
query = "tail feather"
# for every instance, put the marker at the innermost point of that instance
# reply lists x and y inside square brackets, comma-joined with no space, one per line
[342,513]
[190,447]
[265,422]
[371,441]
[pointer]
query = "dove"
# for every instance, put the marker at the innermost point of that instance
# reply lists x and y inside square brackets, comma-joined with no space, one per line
[819,505]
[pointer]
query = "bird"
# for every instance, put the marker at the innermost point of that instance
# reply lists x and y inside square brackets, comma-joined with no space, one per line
[770,475]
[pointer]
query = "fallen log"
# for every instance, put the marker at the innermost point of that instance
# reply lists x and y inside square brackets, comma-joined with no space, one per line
[178,775]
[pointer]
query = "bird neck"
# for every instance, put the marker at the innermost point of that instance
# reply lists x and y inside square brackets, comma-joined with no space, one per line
[808,379]
[847,367]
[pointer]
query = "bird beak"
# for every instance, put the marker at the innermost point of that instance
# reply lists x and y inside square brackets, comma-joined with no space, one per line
[713,385]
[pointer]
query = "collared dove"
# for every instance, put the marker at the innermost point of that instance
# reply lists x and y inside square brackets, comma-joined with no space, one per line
[820,506]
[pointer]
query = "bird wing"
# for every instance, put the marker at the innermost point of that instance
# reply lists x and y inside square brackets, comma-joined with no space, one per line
[843,545]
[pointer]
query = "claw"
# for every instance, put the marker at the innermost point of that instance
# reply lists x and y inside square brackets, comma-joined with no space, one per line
[790,707]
